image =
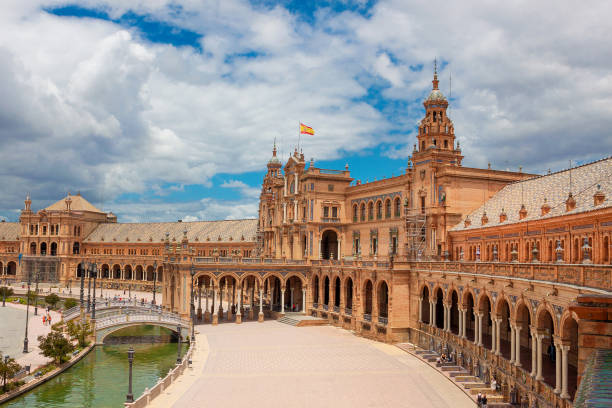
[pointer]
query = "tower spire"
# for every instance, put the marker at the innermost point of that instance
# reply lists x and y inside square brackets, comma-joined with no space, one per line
[435,80]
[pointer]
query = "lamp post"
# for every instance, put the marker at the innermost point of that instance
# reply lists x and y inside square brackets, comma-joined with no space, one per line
[130,290]
[5,288]
[88,287]
[154,281]
[82,284]
[130,396]
[36,293]
[93,309]
[6,360]
[178,351]
[70,286]
[25,340]
[192,306]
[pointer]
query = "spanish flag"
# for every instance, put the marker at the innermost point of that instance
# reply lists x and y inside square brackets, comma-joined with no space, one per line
[306,129]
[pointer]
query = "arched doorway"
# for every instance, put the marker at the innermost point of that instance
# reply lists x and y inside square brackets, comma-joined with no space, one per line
[439,309]
[53,248]
[274,287]
[160,273]
[454,313]
[293,295]
[139,272]
[11,268]
[315,291]
[487,323]
[116,272]
[569,336]
[523,321]
[470,318]
[546,330]
[383,300]
[33,248]
[337,293]
[425,305]
[326,291]
[505,332]
[43,248]
[150,273]
[367,295]
[76,248]
[329,245]
[105,271]
[128,272]
[348,293]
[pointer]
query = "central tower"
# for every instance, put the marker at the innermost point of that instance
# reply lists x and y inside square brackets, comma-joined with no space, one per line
[436,131]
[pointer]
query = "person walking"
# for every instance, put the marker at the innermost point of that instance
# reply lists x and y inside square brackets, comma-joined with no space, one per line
[484,401]
[479,399]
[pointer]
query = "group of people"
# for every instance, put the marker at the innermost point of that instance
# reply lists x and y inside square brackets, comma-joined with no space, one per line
[46,319]
[482,400]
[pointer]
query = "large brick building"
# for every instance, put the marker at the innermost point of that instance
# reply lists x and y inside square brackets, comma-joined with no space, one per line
[507,269]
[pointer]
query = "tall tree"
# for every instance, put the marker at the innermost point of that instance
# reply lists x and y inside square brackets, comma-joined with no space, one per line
[8,368]
[55,345]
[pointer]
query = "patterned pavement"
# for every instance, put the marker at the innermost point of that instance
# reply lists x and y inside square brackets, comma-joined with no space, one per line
[275,365]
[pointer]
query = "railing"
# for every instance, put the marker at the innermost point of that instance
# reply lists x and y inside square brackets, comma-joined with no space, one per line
[383,320]
[325,307]
[119,318]
[330,219]
[149,394]
[367,317]
[315,305]
[336,309]
[348,311]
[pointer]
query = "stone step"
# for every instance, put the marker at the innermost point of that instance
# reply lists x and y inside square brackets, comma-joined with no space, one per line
[288,320]
[456,374]
[470,385]
[430,359]
[483,390]
[450,368]
[466,378]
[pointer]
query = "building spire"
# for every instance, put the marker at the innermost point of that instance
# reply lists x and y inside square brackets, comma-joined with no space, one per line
[435,80]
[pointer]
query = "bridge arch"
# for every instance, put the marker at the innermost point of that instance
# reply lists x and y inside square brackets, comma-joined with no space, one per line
[103,333]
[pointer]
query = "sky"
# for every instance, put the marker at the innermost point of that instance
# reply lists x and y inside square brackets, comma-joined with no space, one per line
[162,110]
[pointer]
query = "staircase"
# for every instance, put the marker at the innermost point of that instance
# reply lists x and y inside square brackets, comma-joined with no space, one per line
[289,320]
[471,385]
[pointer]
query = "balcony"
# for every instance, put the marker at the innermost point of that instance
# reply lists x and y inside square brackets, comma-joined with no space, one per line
[325,307]
[383,320]
[367,317]
[348,311]
[330,219]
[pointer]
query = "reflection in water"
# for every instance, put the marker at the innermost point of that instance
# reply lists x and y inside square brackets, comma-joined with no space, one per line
[100,379]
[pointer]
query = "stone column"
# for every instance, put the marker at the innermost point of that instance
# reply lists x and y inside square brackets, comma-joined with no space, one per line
[420,309]
[517,353]
[557,368]
[512,345]
[215,316]
[238,314]
[260,316]
[282,300]
[292,299]
[479,329]
[539,376]
[564,351]
[497,338]
[304,301]
[463,321]
[207,312]
[431,313]
[534,352]
[433,308]
[445,324]
[493,332]
[475,328]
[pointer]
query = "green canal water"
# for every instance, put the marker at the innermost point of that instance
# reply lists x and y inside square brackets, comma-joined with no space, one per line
[100,379]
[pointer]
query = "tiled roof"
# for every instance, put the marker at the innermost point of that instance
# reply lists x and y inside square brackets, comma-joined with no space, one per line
[197,231]
[78,204]
[9,231]
[586,180]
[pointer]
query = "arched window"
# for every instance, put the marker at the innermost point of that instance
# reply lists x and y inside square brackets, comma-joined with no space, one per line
[362,212]
[370,210]
[355,213]
[423,145]
[446,144]
[75,248]
[292,188]
[388,208]
[379,210]
[397,206]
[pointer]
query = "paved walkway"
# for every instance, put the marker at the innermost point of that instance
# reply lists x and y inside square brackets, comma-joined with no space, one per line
[275,365]
[35,329]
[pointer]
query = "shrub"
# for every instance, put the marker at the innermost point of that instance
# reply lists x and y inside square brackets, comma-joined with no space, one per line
[52,299]
[56,346]
[70,303]
[6,291]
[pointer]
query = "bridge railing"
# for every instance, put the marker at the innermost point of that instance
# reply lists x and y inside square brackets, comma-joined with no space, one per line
[123,316]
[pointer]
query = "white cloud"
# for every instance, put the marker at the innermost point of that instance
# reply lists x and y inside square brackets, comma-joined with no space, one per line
[89,105]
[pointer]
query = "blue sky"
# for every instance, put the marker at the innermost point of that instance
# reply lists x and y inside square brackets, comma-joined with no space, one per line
[168,110]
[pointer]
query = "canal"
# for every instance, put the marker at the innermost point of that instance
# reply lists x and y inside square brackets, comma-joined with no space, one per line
[100,379]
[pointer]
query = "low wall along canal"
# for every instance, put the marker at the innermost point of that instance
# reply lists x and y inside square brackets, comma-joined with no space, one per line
[100,379]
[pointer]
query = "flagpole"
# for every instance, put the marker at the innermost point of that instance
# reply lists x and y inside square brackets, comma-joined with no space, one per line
[299,135]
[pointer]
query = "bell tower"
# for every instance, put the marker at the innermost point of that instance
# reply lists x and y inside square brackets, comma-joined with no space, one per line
[436,132]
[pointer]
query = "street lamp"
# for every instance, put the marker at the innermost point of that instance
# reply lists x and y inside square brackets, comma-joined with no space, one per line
[25,340]
[154,281]
[178,351]
[82,284]
[36,293]
[130,397]
[88,287]
[95,273]
[5,288]
[70,286]
[192,306]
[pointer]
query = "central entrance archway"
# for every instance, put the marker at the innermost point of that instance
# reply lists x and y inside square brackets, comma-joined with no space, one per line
[329,245]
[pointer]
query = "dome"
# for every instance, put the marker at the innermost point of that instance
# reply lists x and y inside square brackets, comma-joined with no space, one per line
[274,160]
[436,95]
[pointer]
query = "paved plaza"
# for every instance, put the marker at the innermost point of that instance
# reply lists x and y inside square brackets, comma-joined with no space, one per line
[276,365]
